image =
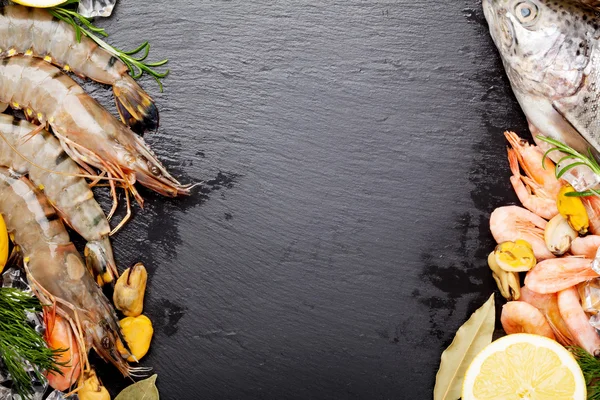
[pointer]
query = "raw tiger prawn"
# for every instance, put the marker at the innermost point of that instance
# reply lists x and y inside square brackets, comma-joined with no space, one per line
[42,158]
[87,132]
[35,32]
[56,271]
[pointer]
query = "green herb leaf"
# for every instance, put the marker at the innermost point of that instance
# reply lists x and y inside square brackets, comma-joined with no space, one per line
[142,390]
[85,27]
[580,160]
[569,167]
[591,371]
[20,342]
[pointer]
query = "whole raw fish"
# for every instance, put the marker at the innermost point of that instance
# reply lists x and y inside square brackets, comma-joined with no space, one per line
[551,53]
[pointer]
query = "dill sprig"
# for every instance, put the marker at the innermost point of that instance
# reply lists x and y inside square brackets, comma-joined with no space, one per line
[587,160]
[590,366]
[134,59]
[20,343]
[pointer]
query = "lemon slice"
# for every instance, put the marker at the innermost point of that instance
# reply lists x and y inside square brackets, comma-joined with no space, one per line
[39,3]
[524,366]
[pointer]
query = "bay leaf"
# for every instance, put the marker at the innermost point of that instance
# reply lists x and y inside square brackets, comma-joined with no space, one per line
[470,339]
[142,390]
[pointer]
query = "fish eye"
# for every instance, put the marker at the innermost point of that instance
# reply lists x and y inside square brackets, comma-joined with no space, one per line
[106,342]
[526,12]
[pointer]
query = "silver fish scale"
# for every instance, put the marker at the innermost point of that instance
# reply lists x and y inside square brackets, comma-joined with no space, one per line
[582,109]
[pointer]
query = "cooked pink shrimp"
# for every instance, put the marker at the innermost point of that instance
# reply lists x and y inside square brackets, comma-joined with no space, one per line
[530,158]
[511,223]
[578,322]
[548,306]
[552,276]
[521,317]
[586,246]
[533,196]
[592,206]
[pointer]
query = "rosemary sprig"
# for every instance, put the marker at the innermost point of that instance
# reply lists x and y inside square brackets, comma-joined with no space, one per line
[134,59]
[20,343]
[588,160]
[591,371]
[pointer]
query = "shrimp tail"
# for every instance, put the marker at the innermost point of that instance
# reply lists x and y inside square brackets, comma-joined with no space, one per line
[513,162]
[135,106]
[100,261]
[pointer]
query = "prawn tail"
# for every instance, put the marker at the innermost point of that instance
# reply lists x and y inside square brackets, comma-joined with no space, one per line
[100,261]
[513,162]
[135,106]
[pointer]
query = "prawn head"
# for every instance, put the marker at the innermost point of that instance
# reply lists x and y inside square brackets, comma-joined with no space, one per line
[59,336]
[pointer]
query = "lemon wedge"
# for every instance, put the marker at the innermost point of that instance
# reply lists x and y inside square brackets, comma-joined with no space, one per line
[39,3]
[524,366]
[3,244]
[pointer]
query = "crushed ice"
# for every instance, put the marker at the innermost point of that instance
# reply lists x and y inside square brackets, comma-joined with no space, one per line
[96,8]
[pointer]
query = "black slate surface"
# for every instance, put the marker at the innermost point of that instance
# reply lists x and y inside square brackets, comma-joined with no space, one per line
[353,152]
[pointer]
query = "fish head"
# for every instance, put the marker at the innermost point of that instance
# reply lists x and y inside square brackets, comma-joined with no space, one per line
[544,45]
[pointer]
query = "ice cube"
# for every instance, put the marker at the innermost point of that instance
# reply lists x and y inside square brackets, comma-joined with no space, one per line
[56,395]
[15,278]
[589,292]
[596,262]
[5,393]
[96,8]
[581,177]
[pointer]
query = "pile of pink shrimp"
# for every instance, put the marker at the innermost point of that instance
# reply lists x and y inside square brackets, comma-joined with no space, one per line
[549,303]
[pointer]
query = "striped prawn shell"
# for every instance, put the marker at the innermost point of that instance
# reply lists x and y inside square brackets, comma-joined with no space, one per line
[35,32]
[55,264]
[48,166]
[80,122]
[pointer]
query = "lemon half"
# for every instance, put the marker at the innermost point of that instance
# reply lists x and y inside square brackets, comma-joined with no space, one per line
[39,3]
[524,366]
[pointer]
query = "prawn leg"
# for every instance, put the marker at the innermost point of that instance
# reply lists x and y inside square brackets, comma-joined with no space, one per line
[531,194]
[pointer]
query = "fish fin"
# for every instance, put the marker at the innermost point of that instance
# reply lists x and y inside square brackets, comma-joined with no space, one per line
[135,106]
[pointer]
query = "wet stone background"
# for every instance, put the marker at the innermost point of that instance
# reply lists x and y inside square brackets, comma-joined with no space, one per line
[352,153]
